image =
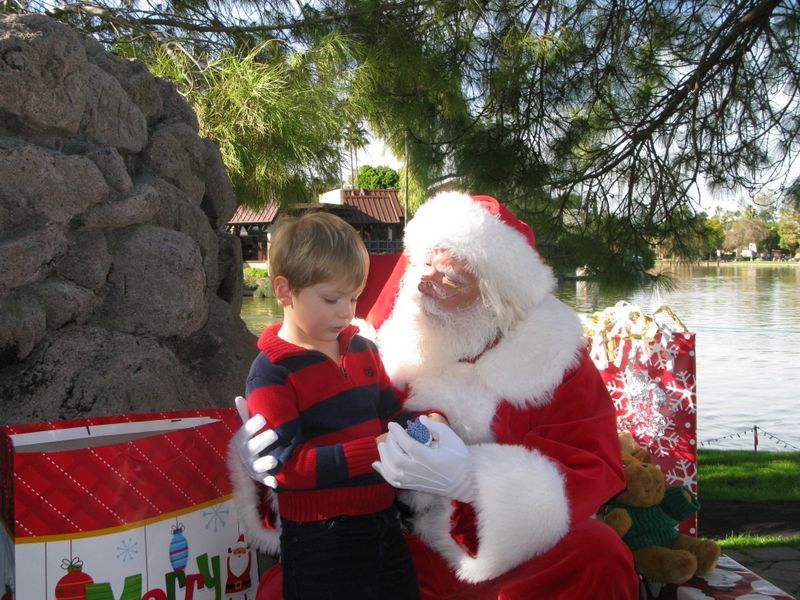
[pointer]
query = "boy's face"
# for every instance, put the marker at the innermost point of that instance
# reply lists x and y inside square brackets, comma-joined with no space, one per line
[320,312]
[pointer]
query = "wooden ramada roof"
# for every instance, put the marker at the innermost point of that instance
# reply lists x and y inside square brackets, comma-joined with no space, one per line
[361,207]
[254,216]
[380,205]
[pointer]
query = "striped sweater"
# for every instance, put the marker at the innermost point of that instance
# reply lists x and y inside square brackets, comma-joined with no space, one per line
[326,415]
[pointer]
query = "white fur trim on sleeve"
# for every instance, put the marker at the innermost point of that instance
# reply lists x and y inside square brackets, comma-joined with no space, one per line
[246,501]
[522,511]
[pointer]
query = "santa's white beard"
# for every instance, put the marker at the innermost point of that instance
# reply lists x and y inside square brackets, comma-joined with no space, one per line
[420,335]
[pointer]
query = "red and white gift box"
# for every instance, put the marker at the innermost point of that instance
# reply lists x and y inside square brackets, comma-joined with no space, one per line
[648,364]
[131,506]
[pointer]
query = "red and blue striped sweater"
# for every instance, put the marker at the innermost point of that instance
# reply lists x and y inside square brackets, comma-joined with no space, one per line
[327,416]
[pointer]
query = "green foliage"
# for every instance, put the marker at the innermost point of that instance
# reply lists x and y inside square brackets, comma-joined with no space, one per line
[714,234]
[254,276]
[747,476]
[417,191]
[378,178]
[789,227]
[355,138]
[279,142]
[264,290]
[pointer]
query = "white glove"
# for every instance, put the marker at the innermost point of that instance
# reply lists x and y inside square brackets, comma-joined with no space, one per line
[444,469]
[249,448]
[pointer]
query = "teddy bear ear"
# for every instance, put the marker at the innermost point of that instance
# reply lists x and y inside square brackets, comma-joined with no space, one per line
[630,446]
[627,444]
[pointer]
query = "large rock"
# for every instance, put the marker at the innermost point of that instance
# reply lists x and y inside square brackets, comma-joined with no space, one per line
[29,255]
[177,212]
[46,186]
[110,117]
[140,86]
[86,260]
[176,154]
[43,74]
[119,290]
[94,371]
[156,285]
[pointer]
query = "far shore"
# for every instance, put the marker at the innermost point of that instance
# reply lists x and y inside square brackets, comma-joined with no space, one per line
[734,263]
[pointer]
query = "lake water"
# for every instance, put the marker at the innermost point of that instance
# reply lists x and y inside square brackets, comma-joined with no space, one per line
[747,320]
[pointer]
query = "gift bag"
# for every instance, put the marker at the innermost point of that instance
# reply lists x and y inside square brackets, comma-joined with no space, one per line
[647,362]
[136,506]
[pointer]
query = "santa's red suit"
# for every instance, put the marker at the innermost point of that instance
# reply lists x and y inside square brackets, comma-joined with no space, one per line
[537,418]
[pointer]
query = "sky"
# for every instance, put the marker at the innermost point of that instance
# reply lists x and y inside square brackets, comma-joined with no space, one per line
[376,154]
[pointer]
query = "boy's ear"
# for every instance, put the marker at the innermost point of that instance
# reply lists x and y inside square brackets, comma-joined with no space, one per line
[283,292]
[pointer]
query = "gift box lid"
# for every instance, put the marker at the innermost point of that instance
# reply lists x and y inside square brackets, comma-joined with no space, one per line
[96,475]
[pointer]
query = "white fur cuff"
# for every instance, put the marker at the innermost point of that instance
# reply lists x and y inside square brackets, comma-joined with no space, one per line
[522,511]
[246,500]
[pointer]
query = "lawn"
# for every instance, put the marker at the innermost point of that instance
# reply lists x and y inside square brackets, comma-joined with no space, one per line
[747,476]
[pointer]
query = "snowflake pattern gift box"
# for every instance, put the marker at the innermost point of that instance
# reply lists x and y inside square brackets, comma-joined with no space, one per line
[647,362]
[136,506]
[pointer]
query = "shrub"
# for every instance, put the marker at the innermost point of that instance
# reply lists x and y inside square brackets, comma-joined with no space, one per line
[255,276]
[264,290]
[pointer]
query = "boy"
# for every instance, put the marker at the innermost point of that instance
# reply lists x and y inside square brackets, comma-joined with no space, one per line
[324,391]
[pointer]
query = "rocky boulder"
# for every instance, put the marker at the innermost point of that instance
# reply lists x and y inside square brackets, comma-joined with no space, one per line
[119,290]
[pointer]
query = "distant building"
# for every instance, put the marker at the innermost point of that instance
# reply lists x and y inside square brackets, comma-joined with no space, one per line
[376,215]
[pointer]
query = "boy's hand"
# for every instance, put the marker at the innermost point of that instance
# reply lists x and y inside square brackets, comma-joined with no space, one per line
[249,446]
[438,418]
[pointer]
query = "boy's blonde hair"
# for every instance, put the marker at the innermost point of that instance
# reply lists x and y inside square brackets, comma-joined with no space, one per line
[317,247]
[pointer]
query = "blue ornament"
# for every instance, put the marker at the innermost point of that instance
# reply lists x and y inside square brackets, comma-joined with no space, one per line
[178,548]
[419,432]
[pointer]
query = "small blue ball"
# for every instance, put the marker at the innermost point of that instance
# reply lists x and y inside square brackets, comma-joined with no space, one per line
[419,432]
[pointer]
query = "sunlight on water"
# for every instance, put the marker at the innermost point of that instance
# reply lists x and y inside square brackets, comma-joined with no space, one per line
[747,320]
[258,313]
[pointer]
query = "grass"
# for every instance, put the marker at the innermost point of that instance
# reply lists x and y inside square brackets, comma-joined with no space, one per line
[747,476]
[746,540]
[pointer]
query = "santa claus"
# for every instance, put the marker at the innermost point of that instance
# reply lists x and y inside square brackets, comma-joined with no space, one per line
[503,501]
[237,581]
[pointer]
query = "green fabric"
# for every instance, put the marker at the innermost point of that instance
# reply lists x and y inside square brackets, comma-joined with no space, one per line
[676,505]
[657,525]
[650,526]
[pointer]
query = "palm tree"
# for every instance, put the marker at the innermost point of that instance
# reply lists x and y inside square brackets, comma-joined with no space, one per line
[356,137]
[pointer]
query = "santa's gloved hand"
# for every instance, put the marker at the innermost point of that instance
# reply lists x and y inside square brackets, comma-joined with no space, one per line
[444,470]
[249,446]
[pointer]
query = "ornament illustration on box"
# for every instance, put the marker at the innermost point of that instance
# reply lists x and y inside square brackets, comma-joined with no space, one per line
[178,548]
[72,586]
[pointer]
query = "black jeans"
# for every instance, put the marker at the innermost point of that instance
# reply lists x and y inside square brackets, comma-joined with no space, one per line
[362,557]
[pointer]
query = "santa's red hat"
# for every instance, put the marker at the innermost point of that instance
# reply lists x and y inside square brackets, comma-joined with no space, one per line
[497,246]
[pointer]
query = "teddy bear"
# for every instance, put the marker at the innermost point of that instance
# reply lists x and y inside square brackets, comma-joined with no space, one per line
[646,515]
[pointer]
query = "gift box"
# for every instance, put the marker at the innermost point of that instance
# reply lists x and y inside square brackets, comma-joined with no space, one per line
[648,364]
[729,581]
[131,506]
